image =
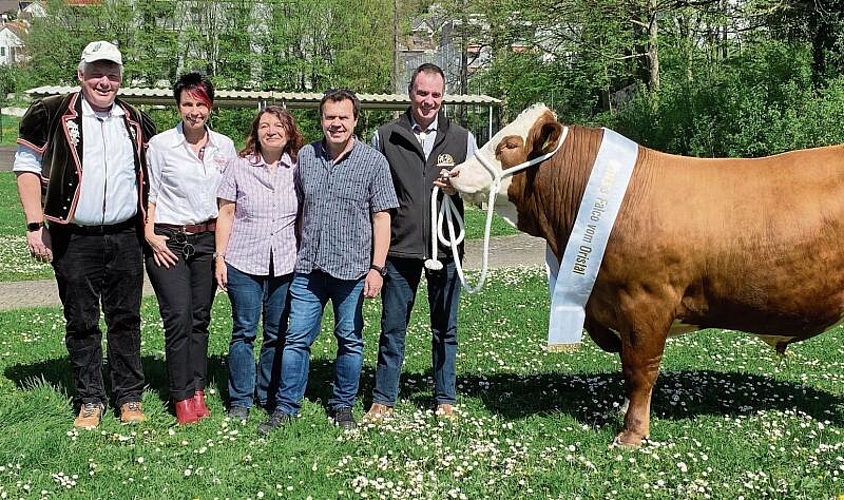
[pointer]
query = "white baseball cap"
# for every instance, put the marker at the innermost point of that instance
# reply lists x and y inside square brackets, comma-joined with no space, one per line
[102,51]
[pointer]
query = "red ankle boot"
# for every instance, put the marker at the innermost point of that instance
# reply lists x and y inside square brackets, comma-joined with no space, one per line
[199,407]
[184,412]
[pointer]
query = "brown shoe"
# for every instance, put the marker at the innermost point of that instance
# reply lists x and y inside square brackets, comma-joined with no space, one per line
[89,416]
[131,413]
[445,412]
[378,413]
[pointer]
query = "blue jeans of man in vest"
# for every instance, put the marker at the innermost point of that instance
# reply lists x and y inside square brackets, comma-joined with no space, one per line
[397,297]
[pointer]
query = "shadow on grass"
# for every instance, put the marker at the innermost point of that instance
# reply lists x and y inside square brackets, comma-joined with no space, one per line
[594,398]
[57,373]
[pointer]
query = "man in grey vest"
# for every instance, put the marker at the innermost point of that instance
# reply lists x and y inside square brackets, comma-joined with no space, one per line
[418,146]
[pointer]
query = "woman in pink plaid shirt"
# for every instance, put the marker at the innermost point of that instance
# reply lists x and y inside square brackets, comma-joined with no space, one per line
[256,244]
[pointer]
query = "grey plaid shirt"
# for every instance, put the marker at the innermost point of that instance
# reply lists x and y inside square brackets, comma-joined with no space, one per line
[337,205]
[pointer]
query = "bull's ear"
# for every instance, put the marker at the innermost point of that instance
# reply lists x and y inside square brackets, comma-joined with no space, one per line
[543,136]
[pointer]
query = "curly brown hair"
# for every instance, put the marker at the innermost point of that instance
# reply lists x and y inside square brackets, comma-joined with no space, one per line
[295,139]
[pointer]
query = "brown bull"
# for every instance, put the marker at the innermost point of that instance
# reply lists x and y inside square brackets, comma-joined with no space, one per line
[743,244]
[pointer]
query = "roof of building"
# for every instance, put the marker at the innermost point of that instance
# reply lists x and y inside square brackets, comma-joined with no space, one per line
[246,99]
[17,27]
[7,6]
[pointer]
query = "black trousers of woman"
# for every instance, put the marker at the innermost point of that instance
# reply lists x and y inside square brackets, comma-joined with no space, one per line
[185,295]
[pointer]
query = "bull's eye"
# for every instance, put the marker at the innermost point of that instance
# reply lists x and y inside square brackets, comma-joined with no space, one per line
[509,143]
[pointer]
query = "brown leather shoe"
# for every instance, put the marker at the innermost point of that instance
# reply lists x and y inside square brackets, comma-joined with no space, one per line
[378,413]
[199,406]
[131,413]
[184,412]
[445,411]
[89,416]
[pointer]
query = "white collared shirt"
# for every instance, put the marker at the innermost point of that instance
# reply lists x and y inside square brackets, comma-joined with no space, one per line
[108,188]
[425,137]
[183,187]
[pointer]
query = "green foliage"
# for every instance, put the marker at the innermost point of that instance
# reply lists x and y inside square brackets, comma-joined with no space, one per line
[9,82]
[818,24]
[757,102]
[735,79]
[240,44]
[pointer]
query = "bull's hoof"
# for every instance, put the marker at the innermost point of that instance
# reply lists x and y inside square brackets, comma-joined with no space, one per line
[627,440]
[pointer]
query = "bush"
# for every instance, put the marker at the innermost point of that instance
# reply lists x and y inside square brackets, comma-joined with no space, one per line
[757,103]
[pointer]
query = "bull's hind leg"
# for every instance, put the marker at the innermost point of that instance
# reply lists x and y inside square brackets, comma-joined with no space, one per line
[641,354]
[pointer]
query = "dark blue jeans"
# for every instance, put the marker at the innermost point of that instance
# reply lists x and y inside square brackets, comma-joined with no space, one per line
[308,295]
[105,268]
[397,298]
[185,294]
[252,296]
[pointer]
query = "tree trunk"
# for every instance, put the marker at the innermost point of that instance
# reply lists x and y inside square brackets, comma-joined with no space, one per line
[653,48]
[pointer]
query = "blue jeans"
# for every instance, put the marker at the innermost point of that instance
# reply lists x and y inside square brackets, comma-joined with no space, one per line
[308,295]
[397,298]
[251,296]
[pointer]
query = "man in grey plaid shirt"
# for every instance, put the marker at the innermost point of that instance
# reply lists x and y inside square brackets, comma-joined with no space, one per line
[347,195]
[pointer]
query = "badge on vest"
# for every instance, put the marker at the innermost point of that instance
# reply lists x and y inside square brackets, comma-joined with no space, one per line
[445,161]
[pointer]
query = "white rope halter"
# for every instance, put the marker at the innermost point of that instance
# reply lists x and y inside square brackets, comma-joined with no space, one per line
[449,210]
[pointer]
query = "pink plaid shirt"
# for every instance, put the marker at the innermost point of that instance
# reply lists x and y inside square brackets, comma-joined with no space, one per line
[266,207]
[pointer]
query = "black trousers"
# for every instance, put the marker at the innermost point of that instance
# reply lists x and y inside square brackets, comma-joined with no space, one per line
[185,295]
[101,268]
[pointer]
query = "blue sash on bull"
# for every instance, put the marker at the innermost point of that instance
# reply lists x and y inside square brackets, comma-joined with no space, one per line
[572,279]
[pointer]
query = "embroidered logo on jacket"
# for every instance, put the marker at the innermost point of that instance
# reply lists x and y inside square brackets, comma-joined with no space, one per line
[445,161]
[73,131]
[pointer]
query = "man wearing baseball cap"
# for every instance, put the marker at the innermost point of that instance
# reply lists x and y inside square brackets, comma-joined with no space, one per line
[81,174]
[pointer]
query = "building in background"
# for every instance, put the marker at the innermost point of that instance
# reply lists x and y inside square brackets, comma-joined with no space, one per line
[12,35]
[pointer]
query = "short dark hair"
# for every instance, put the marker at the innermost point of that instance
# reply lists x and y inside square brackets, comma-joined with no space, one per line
[425,68]
[337,95]
[195,84]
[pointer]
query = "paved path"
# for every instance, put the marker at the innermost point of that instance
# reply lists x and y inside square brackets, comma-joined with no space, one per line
[505,251]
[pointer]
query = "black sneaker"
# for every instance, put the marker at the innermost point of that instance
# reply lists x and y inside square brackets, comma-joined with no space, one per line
[343,417]
[240,413]
[276,420]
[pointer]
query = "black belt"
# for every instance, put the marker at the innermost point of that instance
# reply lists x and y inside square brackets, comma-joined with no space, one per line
[93,230]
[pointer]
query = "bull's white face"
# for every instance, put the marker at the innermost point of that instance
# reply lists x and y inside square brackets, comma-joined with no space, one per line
[504,150]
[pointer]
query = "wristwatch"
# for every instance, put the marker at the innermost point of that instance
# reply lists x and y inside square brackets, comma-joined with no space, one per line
[31,227]
[381,270]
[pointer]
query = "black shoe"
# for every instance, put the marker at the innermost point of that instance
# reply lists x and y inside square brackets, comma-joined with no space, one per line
[276,420]
[343,417]
[240,413]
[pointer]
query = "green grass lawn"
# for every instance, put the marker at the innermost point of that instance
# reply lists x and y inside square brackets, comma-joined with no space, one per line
[730,419]
[15,261]
[16,264]
[9,130]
